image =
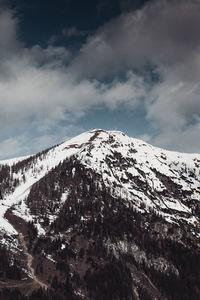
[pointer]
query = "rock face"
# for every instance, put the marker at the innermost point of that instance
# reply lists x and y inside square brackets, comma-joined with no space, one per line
[104,216]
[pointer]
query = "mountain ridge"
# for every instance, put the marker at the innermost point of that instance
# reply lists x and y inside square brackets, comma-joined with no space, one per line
[71,147]
[119,189]
[19,158]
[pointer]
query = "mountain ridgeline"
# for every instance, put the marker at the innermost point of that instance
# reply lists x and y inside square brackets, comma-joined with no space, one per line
[101,216]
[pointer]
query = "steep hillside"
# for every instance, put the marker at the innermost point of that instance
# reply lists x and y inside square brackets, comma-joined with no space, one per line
[101,216]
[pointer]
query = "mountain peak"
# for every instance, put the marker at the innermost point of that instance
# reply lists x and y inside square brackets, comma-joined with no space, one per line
[100,204]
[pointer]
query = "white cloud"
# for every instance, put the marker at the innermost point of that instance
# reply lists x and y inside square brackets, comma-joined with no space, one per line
[187,139]
[163,35]
[145,137]
[50,85]
[10,147]
[50,93]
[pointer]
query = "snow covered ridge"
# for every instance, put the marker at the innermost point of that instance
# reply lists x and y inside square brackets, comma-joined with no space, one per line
[146,176]
[150,177]
[13,161]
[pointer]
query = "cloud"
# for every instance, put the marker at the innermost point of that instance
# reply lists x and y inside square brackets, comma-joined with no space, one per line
[67,33]
[187,139]
[10,147]
[148,57]
[30,141]
[73,31]
[45,93]
[162,37]
[9,43]
[53,57]
[162,32]
[145,137]
[38,89]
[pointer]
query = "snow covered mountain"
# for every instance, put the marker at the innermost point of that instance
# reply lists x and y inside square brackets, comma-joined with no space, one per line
[98,204]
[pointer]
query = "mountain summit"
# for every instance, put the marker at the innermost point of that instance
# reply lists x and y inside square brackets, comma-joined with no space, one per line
[101,216]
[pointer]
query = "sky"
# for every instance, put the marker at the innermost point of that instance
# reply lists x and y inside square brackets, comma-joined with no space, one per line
[68,66]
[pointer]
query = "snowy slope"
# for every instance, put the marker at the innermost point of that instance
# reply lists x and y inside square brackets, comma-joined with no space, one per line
[146,176]
[142,173]
[38,168]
